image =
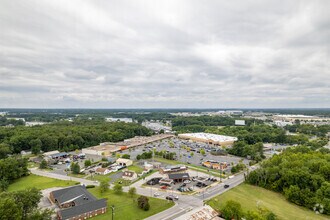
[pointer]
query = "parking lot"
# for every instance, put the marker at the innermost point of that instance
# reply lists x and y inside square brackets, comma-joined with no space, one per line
[161,182]
[193,156]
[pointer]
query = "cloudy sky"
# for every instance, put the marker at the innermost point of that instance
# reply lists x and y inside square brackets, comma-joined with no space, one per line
[164,54]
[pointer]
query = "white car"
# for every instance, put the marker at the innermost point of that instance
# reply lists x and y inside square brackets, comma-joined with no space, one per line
[156,194]
[187,181]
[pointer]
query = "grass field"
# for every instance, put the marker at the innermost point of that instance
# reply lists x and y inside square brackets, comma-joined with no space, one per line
[135,168]
[39,182]
[126,208]
[249,196]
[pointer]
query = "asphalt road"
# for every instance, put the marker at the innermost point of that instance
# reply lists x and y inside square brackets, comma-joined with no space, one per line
[185,203]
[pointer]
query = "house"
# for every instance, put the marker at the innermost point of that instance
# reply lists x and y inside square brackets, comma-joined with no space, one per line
[124,162]
[203,212]
[179,177]
[59,156]
[47,154]
[129,175]
[77,203]
[102,171]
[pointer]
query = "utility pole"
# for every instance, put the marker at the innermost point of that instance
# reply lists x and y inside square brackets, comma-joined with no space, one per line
[112,211]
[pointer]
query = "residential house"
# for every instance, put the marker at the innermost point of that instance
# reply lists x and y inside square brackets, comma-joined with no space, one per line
[102,171]
[129,175]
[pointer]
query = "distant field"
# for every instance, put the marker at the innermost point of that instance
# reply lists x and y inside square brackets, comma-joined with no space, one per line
[126,208]
[39,182]
[249,196]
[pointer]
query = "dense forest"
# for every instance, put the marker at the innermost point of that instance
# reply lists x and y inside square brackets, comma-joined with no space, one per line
[300,173]
[202,123]
[320,131]
[12,168]
[66,136]
[4,121]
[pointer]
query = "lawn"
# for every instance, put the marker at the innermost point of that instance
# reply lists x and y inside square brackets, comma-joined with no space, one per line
[135,168]
[126,208]
[39,182]
[249,196]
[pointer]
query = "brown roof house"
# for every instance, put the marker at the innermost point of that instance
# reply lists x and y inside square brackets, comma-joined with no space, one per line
[129,175]
[76,203]
[102,171]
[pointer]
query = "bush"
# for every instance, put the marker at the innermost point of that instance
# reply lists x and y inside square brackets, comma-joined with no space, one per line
[43,164]
[143,203]
[104,186]
[90,186]
[126,156]
[132,191]
[88,163]
[118,188]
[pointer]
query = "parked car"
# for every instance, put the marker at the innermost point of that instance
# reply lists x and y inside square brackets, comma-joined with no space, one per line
[187,181]
[172,197]
[163,187]
[156,194]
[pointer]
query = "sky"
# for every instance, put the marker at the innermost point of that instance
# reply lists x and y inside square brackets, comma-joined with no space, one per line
[164,54]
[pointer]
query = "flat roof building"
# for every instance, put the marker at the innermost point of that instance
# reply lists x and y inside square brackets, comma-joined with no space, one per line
[209,138]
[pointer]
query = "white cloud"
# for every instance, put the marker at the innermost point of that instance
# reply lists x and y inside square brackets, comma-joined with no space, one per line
[164,54]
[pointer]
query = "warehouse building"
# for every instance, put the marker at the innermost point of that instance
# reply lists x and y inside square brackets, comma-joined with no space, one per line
[208,138]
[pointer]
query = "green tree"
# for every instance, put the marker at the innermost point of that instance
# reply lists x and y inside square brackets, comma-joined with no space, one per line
[132,191]
[87,163]
[126,156]
[104,186]
[40,214]
[143,203]
[36,146]
[232,210]
[9,209]
[27,199]
[253,215]
[75,168]
[202,151]
[43,164]
[4,150]
[117,188]
[4,184]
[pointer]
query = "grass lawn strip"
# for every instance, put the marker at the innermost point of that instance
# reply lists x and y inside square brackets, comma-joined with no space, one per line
[249,196]
[40,182]
[126,207]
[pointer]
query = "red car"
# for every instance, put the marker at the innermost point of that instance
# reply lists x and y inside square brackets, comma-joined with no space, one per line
[163,187]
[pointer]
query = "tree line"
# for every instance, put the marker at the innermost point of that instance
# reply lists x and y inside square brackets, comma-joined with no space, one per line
[66,136]
[12,168]
[299,173]
[202,123]
[22,205]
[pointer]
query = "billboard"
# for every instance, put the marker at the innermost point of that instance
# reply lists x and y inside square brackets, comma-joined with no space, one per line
[240,122]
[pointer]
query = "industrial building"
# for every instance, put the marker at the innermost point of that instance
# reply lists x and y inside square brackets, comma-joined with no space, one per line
[208,138]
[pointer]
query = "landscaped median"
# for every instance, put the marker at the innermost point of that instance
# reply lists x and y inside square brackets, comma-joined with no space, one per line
[126,207]
[251,197]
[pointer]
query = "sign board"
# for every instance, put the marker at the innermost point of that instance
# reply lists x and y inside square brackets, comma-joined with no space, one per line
[240,122]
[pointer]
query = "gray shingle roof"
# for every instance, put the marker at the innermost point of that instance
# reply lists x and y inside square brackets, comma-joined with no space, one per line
[78,194]
[84,208]
[178,176]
